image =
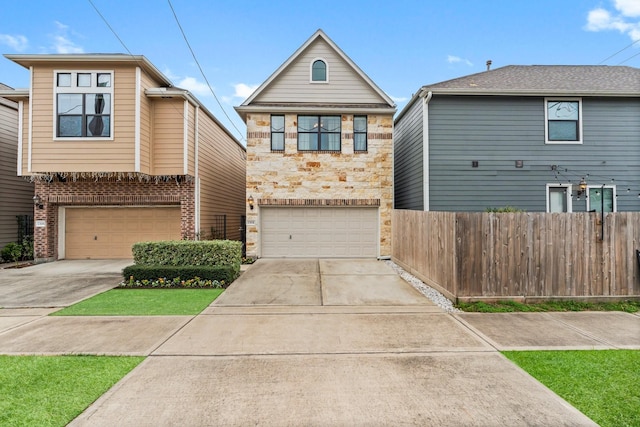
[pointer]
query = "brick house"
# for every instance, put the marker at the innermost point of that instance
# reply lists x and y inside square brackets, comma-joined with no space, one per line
[119,155]
[319,158]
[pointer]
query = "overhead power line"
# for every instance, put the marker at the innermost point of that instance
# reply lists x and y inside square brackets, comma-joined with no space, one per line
[202,72]
[621,50]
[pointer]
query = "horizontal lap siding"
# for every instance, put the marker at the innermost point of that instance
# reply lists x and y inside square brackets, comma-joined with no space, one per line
[345,85]
[408,160]
[15,192]
[497,131]
[222,173]
[168,137]
[116,155]
[145,123]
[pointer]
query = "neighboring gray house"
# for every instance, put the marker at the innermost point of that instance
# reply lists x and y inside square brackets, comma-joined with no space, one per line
[16,194]
[539,138]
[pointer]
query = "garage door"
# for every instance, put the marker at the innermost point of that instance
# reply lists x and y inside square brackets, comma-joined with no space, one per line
[106,233]
[319,232]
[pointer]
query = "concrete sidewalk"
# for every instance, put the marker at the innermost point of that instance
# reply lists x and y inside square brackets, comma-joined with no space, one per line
[322,343]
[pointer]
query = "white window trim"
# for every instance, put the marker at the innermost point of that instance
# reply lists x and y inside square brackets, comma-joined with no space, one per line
[326,64]
[82,90]
[597,187]
[546,120]
[568,188]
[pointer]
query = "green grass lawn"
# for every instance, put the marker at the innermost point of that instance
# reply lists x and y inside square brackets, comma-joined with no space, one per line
[512,306]
[603,384]
[143,302]
[53,390]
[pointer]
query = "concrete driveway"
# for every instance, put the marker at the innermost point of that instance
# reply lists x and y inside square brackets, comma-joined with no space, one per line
[58,284]
[327,343]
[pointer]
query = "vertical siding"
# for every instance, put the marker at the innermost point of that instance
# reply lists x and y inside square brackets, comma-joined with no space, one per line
[15,192]
[222,172]
[344,86]
[408,159]
[168,137]
[497,131]
[83,155]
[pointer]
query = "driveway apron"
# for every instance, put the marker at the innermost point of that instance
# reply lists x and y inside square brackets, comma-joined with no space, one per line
[327,343]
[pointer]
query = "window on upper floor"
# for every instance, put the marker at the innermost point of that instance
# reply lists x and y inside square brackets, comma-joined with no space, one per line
[359,133]
[601,197]
[563,118]
[83,104]
[319,71]
[319,133]
[277,133]
[559,198]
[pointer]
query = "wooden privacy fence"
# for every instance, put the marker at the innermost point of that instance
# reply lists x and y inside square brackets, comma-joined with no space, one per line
[522,256]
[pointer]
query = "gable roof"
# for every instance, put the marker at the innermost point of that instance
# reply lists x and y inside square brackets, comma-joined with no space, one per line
[319,34]
[547,79]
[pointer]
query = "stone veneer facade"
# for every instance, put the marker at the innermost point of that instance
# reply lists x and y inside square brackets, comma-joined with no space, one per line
[325,178]
[106,192]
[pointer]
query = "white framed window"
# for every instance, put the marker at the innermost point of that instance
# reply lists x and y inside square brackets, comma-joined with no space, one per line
[563,120]
[601,196]
[277,133]
[319,71]
[559,198]
[83,104]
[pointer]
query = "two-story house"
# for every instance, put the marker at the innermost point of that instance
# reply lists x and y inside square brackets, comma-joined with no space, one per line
[118,155]
[319,158]
[538,138]
[16,193]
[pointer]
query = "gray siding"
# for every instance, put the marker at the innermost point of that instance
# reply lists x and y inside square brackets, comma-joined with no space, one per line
[408,161]
[497,131]
[15,192]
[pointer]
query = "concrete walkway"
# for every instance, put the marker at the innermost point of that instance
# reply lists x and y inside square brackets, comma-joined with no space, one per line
[322,343]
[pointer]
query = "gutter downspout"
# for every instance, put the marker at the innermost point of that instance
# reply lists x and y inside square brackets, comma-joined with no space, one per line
[425,149]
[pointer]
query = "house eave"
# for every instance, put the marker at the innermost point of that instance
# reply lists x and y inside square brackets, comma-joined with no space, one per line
[521,92]
[317,109]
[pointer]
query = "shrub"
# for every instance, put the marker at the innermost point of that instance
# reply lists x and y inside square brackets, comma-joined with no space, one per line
[504,209]
[224,274]
[11,252]
[175,283]
[27,248]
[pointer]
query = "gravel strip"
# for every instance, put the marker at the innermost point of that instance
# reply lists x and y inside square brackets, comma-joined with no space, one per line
[435,296]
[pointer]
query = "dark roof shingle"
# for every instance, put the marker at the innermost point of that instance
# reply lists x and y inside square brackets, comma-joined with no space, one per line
[579,79]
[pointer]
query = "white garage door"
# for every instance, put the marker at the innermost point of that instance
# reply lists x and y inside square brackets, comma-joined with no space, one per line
[319,232]
[107,232]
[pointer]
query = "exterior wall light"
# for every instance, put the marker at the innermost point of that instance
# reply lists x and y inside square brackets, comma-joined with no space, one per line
[250,202]
[582,187]
[36,202]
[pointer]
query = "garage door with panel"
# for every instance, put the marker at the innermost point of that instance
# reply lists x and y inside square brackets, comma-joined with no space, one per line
[109,232]
[323,232]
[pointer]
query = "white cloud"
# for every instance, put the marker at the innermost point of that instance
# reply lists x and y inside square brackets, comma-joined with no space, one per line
[629,8]
[601,19]
[452,59]
[18,42]
[194,86]
[243,90]
[61,41]
[399,99]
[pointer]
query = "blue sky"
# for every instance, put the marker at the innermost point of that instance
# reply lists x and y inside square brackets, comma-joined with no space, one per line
[401,45]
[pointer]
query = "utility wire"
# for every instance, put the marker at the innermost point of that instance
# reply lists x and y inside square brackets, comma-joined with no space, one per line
[621,50]
[631,57]
[202,72]
[110,28]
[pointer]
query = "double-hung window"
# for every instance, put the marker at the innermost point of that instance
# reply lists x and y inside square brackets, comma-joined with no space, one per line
[277,133]
[319,133]
[563,118]
[360,133]
[83,104]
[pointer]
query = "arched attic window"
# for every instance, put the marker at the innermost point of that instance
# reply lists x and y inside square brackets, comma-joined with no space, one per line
[319,71]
